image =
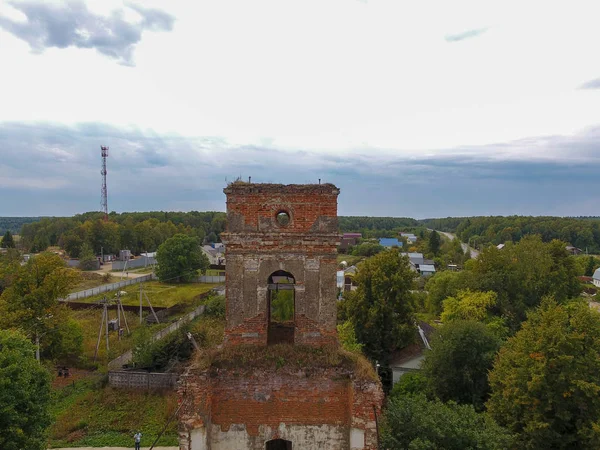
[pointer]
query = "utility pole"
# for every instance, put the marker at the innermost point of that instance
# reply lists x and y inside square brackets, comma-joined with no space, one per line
[103,321]
[141,303]
[37,346]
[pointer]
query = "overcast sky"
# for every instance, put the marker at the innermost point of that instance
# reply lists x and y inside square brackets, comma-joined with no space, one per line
[419,109]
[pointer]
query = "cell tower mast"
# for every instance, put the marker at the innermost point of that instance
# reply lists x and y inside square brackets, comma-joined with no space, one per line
[104,201]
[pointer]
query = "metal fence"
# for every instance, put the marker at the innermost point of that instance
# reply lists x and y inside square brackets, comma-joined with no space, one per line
[134,263]
[126,357]
[108,287]
[141,380]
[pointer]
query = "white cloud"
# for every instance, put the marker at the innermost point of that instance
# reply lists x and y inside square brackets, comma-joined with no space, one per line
[335,77]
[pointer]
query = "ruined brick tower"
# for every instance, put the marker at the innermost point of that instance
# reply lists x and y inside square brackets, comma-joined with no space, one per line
[281,238]
[306,393]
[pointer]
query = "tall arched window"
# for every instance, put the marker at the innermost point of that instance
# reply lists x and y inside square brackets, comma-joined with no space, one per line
[281,308]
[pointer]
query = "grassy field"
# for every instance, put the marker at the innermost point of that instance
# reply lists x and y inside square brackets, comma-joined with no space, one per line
[87,414]
[160,294]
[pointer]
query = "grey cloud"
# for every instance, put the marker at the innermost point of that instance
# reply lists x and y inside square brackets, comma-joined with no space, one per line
[50,169]
[71,24]
[465,35]
[592,84]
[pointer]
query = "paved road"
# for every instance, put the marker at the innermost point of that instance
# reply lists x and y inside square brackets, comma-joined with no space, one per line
[474,253]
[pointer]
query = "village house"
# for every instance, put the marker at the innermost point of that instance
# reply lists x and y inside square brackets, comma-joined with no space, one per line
[349,240]
[390,242]
[596,278]
[410,237]
[411,357]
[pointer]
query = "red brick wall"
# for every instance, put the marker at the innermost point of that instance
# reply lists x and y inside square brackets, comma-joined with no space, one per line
[305,204]
[325,397]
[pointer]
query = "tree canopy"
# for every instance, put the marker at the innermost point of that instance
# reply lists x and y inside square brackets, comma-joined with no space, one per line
[462,352]
[7,240]
[179,258]
[381,308]
[24,395]
[545,383]
[30,303]
[582,232]
[411,422]
[138,232]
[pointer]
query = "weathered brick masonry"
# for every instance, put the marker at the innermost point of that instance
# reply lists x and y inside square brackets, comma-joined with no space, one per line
[248,408]
[324,410]
[258,246]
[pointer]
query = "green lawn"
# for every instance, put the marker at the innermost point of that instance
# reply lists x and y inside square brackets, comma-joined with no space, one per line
[86,414]
[159,294]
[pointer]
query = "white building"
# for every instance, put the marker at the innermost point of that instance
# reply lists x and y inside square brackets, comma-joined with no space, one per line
[596,278]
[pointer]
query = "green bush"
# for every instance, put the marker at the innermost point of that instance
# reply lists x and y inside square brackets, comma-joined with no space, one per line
[215,306]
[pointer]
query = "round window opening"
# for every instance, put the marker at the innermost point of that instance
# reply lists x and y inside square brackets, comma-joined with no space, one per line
[283,218]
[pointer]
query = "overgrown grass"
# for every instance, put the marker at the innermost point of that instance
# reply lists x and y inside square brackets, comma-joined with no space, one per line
[350,259]
[293,358]
[89,319]
[91,280]
[87,414]
[159,294]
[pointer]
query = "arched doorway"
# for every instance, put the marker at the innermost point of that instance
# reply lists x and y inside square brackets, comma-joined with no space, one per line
[278,444]
[281,297]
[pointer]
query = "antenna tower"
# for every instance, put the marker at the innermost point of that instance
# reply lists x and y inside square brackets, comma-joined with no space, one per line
[104,201]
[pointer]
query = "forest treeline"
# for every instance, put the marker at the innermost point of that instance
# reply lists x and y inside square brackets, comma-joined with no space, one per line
[145,231]
[581,232]
[14,224]
[375,227]
[138,232]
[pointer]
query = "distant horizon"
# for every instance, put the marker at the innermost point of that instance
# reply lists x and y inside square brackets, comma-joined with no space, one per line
[339,215]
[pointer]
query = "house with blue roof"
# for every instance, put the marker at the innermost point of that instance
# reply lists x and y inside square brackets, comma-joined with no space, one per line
[390,242]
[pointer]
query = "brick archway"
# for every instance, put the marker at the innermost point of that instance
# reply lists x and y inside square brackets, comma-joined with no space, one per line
[278,444]
[281,308]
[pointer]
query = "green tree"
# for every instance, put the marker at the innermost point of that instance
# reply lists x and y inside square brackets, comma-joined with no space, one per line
[411,422]
[590,266]
[456,367]
[434,243]
[7,240]
[546,380]
[31,304]
[409,384]
[442,285]
[469,305]
[179,258]
[381,308]
[9,266]
[87,259]
[523,274]
[24,395]
[347,337]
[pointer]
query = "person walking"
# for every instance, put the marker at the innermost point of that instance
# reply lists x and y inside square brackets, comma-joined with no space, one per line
[137,438]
